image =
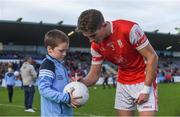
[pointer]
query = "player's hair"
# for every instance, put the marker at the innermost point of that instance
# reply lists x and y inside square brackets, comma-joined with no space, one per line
[89,21]
[54,37]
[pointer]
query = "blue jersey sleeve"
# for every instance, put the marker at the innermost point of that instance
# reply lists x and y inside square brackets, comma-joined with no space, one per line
[45,82]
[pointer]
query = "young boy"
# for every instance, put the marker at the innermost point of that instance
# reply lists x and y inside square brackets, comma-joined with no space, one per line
[10,79]
[53,77]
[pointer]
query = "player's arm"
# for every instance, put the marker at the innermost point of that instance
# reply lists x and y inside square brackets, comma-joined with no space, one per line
[152,60]
[151,66]
[139,40]
[93,75]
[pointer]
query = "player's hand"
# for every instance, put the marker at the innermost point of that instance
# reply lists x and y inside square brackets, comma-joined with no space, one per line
[74,102]
[77,78]
[143,97]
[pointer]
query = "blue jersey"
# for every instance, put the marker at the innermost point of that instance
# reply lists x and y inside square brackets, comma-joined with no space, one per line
[51,81]
[10,78]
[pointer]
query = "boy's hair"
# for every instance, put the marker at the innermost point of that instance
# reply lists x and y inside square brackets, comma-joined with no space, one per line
[89,21]
[55,37]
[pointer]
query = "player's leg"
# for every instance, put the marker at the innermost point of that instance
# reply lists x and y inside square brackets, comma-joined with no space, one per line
[125,113]
[9,92]
[104,86]
[107,84]
[124,103]
[150,107]
[147,113]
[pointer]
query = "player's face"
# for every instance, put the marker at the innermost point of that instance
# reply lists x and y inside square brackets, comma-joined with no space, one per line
[60,51]
[96,36]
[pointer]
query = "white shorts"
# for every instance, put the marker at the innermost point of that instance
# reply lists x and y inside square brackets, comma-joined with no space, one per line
[126,94]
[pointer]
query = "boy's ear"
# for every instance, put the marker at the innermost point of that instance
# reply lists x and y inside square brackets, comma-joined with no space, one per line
[49,49]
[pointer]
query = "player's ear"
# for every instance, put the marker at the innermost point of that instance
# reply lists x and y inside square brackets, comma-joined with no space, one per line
[104,24]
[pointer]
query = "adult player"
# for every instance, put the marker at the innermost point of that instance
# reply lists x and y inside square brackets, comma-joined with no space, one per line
[123,43]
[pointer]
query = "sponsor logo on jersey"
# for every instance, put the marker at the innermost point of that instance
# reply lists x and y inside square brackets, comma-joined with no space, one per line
[138,33]
[141,41]
[119,59]
[120,43]
[59,77]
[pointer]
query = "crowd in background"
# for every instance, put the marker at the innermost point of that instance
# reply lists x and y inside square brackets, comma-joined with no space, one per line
[79,62]
[168,68]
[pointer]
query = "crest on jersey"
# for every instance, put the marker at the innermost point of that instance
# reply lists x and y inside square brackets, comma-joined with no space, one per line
[120,43]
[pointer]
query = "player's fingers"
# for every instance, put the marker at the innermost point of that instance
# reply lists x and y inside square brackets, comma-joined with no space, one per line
[141,101]
[136,100]
[73,79]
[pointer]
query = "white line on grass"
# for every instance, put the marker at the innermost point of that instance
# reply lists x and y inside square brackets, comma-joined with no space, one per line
[10,105]
[19,106]
[84,114]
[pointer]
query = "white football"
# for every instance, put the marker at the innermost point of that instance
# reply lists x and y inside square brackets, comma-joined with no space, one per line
[80,90]
[16,73]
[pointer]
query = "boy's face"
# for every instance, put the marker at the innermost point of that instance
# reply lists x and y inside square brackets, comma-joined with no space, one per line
[59,52]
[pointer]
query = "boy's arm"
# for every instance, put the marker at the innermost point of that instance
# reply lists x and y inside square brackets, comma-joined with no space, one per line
[45,80]
[45,89]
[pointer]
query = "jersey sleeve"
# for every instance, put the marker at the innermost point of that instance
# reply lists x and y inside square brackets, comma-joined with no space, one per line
[45,82]
[47,68]
[97,58]
[137,37]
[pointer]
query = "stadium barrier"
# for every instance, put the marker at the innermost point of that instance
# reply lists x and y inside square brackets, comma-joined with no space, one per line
[176,78]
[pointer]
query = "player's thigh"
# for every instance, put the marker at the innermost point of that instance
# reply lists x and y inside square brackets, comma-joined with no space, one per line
[147,113]
[124,113]
[123,100]
[151,105]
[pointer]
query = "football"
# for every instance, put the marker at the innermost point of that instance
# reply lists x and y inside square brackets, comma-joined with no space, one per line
[80,90]
[16,73]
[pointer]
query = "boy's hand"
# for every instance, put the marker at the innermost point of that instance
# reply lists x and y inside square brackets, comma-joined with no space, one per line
[74,102]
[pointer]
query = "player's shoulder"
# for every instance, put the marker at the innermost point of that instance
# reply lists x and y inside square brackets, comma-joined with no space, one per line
[95,47]
[123,25]
[48,64]
[123,22]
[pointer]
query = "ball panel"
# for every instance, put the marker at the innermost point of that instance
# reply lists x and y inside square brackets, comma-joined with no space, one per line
[80,90]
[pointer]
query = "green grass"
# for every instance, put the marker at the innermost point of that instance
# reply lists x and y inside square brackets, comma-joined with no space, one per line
[101,102]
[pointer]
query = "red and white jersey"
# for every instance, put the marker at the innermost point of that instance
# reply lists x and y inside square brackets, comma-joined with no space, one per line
[121,48]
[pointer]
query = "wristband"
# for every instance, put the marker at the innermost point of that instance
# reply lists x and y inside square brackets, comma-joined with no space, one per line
[146,89]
